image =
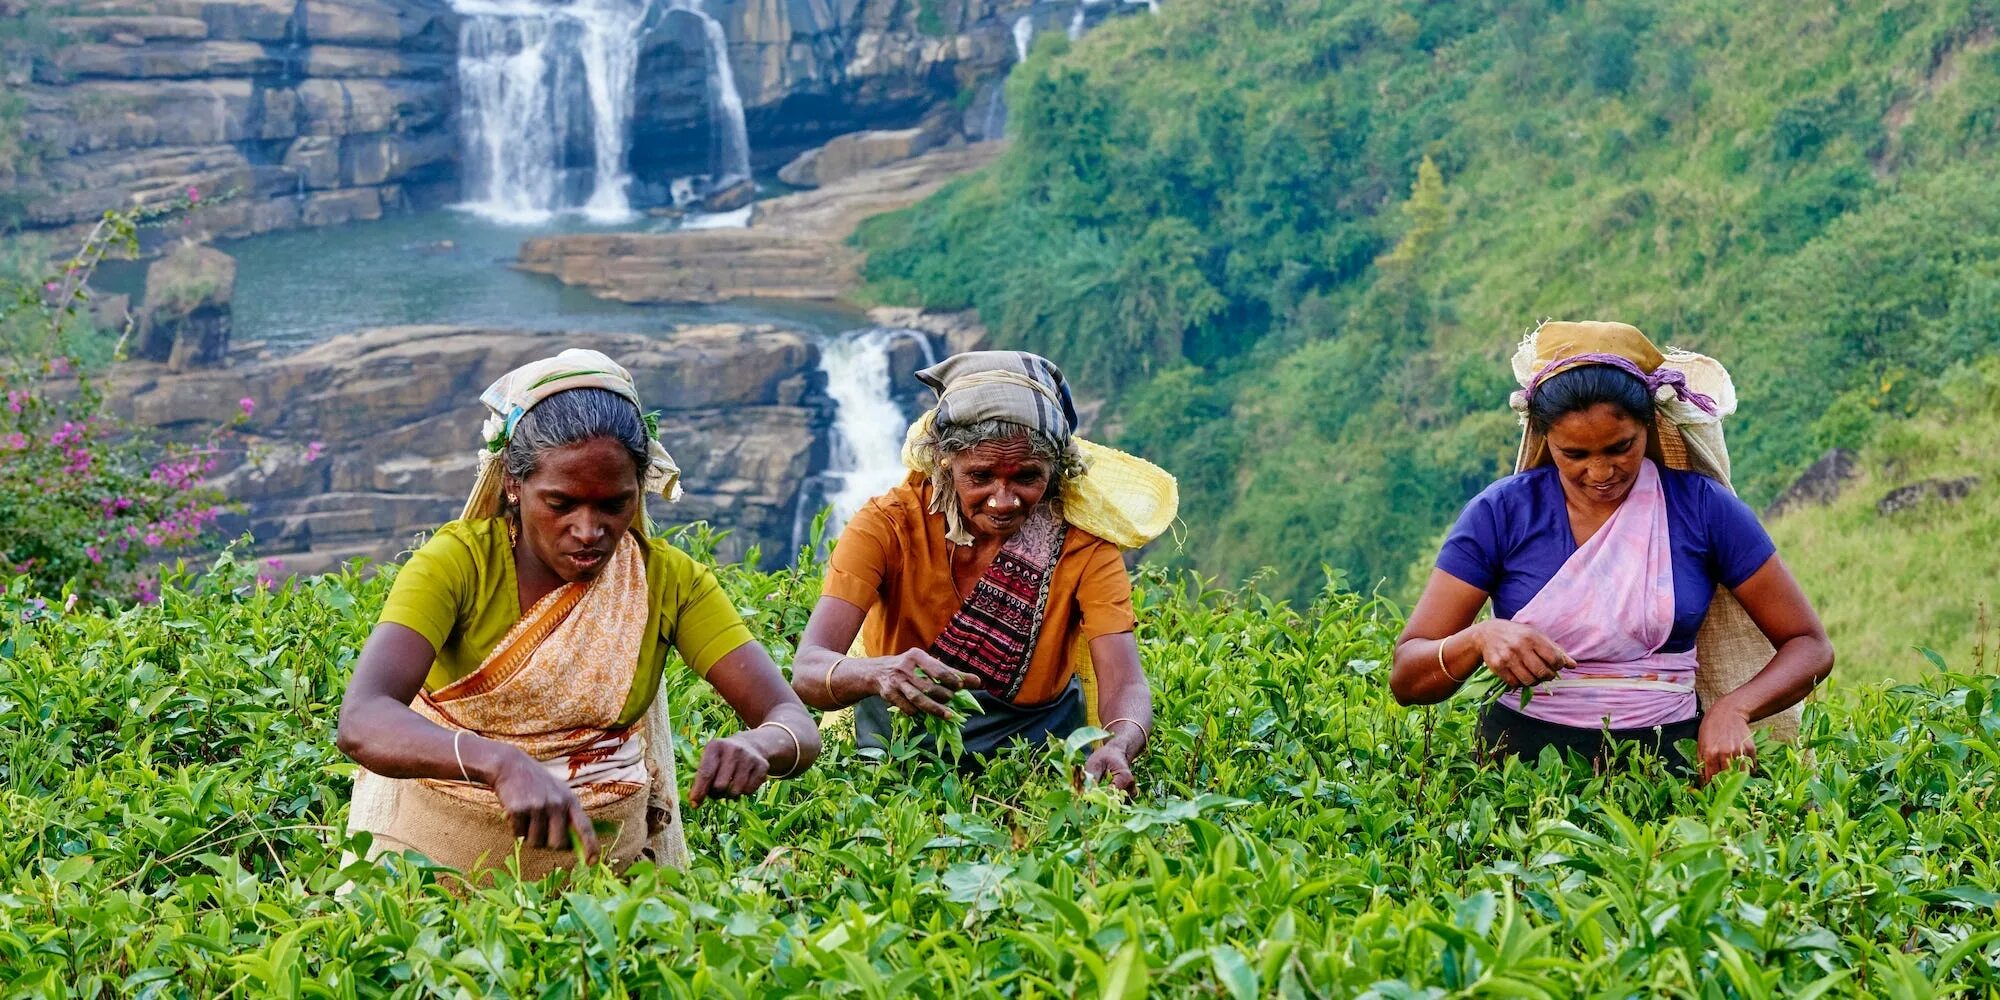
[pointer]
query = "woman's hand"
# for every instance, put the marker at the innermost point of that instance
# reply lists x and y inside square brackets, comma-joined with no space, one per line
[542,808]
[1724,739]
[1111,762]
[917,682]
[731,768]
[1520,655]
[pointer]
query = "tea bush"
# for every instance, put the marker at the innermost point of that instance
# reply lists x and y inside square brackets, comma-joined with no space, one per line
[171,790]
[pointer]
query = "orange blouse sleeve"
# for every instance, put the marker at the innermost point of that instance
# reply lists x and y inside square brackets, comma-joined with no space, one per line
[861,560]
[1104,594]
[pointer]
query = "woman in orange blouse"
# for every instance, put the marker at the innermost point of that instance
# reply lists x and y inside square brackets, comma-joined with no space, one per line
[968,576]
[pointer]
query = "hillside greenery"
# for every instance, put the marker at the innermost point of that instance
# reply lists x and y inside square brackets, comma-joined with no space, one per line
[1292,242]
[173,799]
[1922,576]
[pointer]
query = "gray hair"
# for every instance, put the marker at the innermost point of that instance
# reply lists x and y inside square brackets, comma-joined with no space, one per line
[574,416]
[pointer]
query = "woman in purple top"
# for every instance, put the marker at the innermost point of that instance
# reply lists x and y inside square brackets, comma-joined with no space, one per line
[1601,567]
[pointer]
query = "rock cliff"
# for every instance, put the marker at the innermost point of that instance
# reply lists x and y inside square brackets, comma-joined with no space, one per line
[319,112]
[396,418]
[311,112]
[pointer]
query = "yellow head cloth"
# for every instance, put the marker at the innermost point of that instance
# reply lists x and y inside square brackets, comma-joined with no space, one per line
[511,396]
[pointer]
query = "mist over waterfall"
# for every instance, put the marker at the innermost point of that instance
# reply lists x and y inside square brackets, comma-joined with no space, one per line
[547,94]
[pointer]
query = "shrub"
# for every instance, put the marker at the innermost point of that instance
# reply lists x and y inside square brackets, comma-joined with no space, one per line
[88,503]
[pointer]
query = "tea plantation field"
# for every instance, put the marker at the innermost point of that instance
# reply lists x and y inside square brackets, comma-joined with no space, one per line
[172,792]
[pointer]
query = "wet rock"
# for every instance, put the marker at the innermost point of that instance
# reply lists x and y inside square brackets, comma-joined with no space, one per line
[1819,485]
[731,198]
[1940,490]
[186,318]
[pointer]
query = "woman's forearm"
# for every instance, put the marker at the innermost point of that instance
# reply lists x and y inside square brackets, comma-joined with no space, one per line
[829,681]
[1416,676]
[1799,666]
[395,742]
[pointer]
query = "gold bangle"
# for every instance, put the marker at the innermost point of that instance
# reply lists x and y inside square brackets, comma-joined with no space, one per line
[1446,671]
[798,749]
[1145,735]
[827,681]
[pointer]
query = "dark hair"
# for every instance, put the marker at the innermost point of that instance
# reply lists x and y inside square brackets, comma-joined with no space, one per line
[1585,386]
[574,416]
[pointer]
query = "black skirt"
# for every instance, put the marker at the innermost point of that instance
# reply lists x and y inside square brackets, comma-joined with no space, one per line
[1504,732]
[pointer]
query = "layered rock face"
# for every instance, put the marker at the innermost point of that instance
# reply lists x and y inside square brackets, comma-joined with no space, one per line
[320,112]
[396,418]
[809,70]
[311,112]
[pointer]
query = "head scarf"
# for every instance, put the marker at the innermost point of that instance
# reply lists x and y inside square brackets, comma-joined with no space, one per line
[1691,393]
[1014,386]
[510,398]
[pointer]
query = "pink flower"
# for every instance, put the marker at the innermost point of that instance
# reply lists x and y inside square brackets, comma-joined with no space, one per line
[93,553]
[152,539]
[249,406]
[275,564]
[314,450]
[16,441]
[146,593]
[265,582]
[17,399]
[194,195]
[59,366]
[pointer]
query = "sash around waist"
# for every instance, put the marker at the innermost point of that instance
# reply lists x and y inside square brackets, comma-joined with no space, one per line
[1656,690]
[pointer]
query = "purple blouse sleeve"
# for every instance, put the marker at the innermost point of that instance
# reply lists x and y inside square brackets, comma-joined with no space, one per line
[1471,551]
[1738,545]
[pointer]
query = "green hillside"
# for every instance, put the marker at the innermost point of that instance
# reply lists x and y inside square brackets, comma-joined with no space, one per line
[1922,576]
[1219,220]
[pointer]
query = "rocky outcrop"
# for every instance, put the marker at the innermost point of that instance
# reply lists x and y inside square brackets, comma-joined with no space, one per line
[185,320]
[1819,485]
[796,248]
[1915,494]
[855,153]
[362,442]
[302,112]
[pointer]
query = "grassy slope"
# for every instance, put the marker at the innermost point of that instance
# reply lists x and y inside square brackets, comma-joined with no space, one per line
[1792,187]
[1928,576]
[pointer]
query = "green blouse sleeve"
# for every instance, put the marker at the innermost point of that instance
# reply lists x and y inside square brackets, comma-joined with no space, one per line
[698,620]
[432,588]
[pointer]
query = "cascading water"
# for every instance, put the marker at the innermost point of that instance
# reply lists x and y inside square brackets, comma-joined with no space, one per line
[729,151]
[535,74]
[1024,36]
[868,425]
[527,70]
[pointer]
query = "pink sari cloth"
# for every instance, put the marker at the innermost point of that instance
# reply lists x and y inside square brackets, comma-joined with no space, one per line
[1611,607]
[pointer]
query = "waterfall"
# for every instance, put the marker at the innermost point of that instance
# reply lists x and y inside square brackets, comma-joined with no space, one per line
[1076,22]
[547,83]
[729,152]
[1024,36]
[868,425]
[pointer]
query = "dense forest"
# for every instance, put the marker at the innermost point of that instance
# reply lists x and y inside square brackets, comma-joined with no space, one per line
[1292,242]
